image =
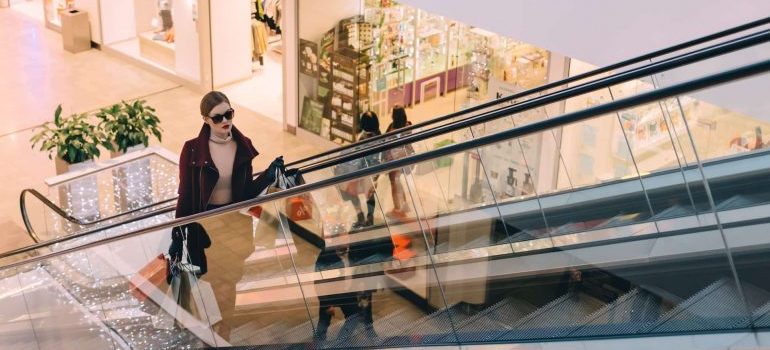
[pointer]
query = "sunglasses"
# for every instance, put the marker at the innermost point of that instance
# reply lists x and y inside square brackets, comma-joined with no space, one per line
[218,118]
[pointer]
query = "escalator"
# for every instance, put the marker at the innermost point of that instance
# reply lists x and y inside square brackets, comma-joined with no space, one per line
[678,249]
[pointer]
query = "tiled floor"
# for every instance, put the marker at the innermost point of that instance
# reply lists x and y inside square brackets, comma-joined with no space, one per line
[263,92]
[37,74]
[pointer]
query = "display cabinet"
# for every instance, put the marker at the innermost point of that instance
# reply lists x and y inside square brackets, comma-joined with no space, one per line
[350,93]
[431,40]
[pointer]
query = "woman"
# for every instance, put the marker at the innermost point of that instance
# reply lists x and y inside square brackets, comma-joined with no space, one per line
[397,191]
[370,127]
[214,170]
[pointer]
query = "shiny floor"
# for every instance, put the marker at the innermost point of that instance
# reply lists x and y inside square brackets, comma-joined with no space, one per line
[37,75]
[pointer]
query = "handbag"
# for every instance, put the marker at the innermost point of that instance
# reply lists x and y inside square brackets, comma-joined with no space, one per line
[401,152]
[154,273]
[349,166]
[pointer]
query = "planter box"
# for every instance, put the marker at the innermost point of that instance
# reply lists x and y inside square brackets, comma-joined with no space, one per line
[64,167]
[115,154]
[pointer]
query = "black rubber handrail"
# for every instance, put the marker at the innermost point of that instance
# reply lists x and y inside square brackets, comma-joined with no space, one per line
[516,132]
[650,69]
[31,231]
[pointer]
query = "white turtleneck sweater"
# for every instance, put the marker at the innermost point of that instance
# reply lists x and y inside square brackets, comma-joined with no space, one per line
[223,155]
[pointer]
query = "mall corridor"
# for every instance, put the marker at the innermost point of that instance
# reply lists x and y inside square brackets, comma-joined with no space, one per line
[44,76]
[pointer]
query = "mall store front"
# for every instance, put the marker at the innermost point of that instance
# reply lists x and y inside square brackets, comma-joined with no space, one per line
[370,56]
[234,46]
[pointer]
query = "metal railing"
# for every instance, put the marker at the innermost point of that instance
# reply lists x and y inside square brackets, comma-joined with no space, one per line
[33,234]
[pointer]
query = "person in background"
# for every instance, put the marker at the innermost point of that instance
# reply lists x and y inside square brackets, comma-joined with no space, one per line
[370,127]
[399,120]
[215,170]
[350,191]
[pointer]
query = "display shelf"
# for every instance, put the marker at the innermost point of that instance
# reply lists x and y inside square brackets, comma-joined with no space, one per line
[350,93]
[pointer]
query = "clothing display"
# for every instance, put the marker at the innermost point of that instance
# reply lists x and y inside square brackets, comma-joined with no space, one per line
[259,39]
[273,14]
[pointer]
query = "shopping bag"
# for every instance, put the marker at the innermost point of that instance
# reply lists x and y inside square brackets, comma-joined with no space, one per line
[299,208]
[178,297]
[206,302]
[154,273]
[188,293]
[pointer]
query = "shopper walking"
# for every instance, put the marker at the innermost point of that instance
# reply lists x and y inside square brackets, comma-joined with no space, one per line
[399,120]
[351,190]
[215,170]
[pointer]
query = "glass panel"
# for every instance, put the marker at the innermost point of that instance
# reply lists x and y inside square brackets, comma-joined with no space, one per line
[15,318]
[365,285]
[252,271]
[729,126]
[597,223]
[56,317]
[140,183]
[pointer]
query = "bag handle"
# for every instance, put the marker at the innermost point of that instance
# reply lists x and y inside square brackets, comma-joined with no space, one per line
[185,252]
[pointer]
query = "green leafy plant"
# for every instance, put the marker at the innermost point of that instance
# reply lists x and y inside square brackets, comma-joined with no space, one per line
[72,138]
[129,124]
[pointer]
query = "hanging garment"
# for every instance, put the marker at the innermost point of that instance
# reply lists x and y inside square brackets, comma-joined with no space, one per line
[259,37]
[259,10]
[271,7]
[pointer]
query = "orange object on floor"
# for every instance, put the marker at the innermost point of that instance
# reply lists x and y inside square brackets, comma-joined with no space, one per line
[402,247]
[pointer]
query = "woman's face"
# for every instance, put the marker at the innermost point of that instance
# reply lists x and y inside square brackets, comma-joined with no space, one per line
[222,128]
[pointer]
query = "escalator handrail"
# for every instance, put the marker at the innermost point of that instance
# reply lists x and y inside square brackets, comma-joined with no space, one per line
[542,88]
[516,132]
[33,234]
[647,70]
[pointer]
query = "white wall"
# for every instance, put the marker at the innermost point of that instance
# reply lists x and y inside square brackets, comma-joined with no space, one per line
[317,17]
[290,66]
[600,32]
[186,43]
[117,19]
[92,8]
[144,12]
[230,40]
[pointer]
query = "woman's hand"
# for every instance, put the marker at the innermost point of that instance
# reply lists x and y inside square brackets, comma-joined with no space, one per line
[275,166]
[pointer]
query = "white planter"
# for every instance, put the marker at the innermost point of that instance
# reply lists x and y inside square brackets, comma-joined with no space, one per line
[64,167]
[115,154]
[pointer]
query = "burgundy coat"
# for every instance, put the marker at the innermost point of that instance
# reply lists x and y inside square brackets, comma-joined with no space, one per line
[197,177]
[198,174]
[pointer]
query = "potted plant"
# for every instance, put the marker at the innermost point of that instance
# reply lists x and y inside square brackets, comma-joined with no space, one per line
[73,139]
[128,125]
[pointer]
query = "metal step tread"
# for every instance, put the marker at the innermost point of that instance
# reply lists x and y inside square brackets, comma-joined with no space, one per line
[628,314]
[718,306]
[555,319]
[429,329]
[495,320]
